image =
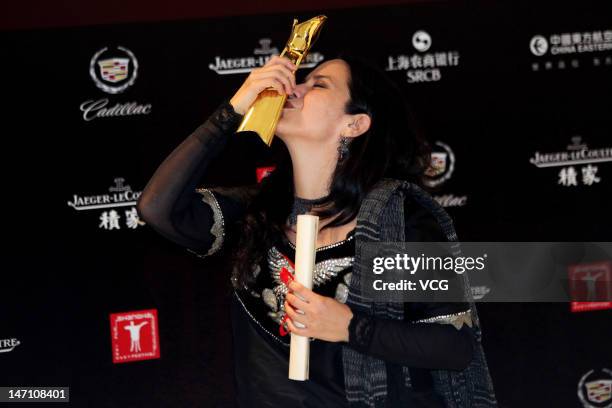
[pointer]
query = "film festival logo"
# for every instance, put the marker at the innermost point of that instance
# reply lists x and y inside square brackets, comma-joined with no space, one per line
[134,336]
[261,55]
[595,388]
[561,50]
[579,164]
[118,196]
[423,66]
[440,170]
[590,282]
[113,71]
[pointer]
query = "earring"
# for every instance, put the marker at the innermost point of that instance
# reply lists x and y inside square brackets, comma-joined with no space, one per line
[343,149]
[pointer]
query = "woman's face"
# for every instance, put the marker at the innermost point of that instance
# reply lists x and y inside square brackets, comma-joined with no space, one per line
[315,112]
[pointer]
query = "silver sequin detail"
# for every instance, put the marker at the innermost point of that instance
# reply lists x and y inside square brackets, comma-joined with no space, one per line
[269,299]
[323,272]
[326,270]
[456,319]
[347,278]
[218,227]
[281,291]
[342,292]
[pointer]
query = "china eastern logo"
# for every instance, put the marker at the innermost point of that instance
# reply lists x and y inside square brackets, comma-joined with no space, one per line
[571,50]
[538,45]
[571,43]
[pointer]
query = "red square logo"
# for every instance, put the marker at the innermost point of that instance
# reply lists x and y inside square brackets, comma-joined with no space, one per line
[134,335]
[591,281]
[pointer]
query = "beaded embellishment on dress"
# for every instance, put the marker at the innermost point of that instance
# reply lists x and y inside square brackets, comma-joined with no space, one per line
[218,227]
[324,271]
[456,319]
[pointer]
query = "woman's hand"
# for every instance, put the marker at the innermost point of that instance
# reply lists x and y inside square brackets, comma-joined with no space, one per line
[324,318]
[278,73]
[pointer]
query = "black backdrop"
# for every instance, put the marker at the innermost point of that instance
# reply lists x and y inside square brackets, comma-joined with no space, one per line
[492,109]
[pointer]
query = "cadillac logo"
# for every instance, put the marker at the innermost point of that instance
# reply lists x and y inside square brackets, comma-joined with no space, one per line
[441,166]
[113,71]
[595,389]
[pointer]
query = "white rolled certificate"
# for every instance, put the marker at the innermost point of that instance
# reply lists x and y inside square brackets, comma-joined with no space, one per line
[305,252]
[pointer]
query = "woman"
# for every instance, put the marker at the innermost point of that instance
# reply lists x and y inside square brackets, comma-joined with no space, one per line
[349,145]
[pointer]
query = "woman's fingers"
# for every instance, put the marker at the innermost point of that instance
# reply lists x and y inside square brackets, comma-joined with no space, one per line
[281,65]
[277,59]
[280,71]
[287,73]
[303,292]
[294,315]
[296,302]
[294,329]
[277,74]
[270,82]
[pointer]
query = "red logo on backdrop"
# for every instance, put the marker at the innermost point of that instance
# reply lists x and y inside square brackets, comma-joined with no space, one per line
[134,336]
[591,282]
[263,172]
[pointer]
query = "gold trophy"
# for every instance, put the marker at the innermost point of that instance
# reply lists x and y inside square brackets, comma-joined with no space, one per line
[265,112]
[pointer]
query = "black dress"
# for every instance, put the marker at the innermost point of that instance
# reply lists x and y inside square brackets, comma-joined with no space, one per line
[262,352]
[205,221]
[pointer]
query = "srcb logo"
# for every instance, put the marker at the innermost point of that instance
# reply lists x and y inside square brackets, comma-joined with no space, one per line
[421,41]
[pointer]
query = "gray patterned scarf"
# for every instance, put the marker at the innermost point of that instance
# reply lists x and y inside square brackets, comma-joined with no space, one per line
[381,218]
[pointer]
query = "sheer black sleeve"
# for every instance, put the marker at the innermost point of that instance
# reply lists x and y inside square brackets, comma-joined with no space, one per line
[195,218]
[432,335]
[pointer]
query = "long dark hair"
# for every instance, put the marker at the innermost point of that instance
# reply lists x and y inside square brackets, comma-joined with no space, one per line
[392,147]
